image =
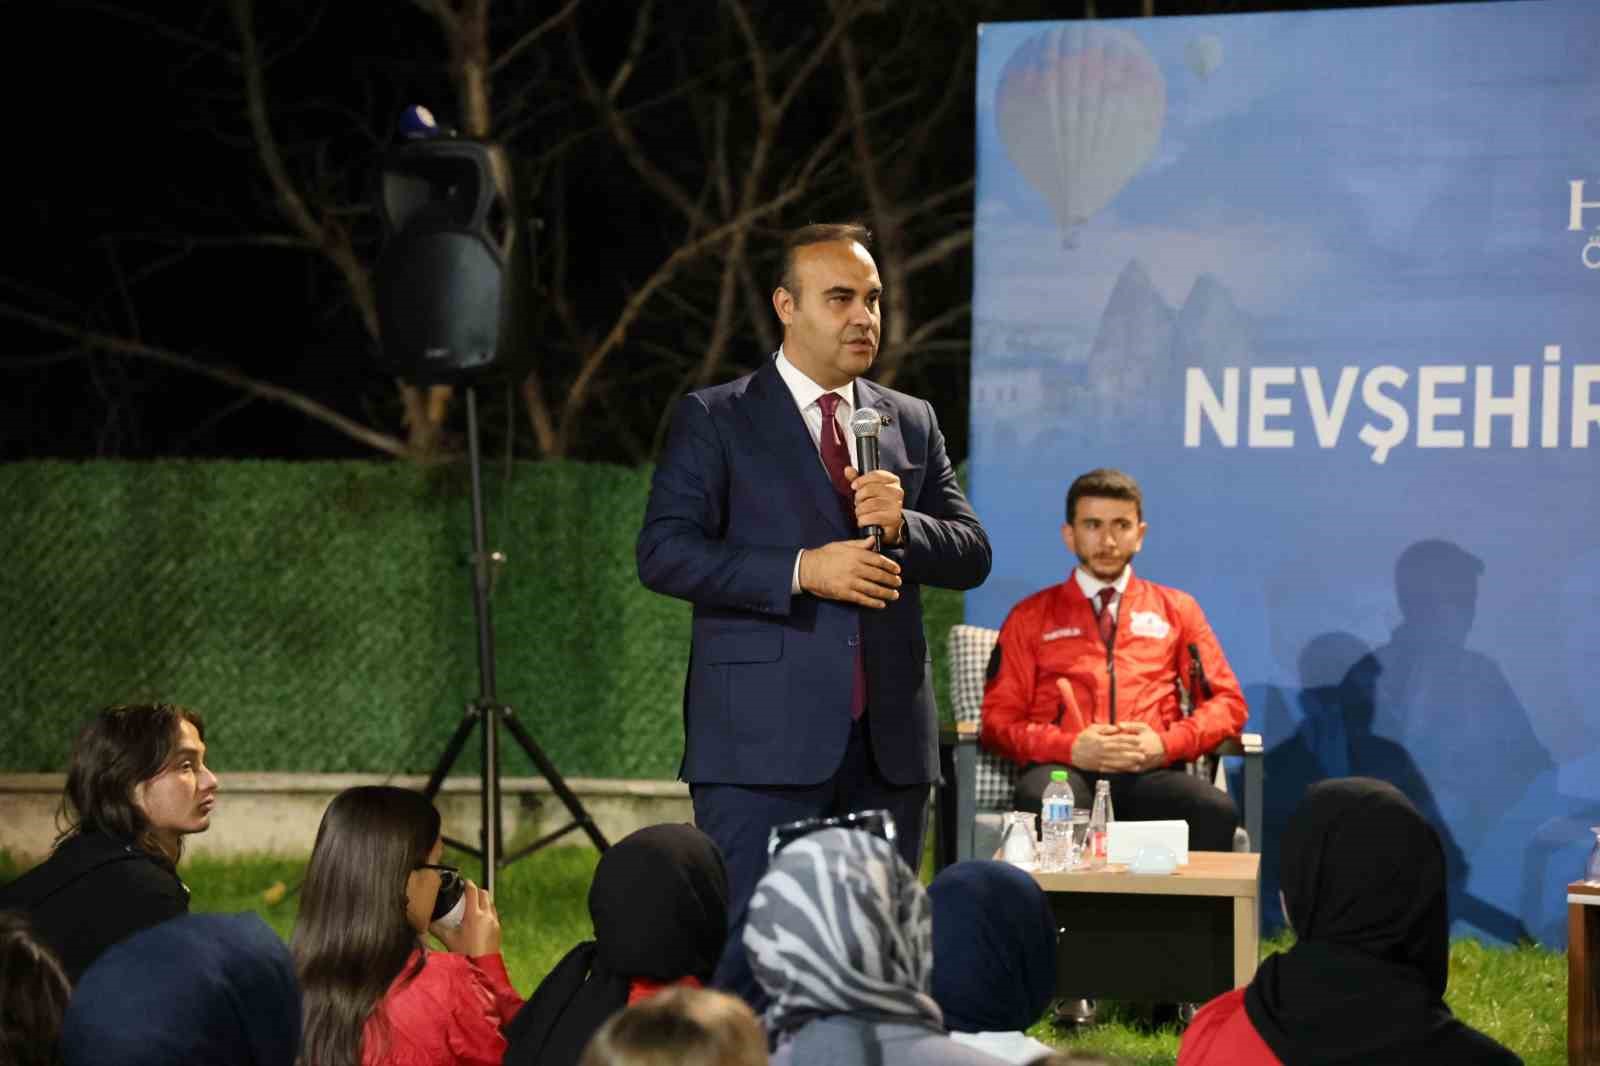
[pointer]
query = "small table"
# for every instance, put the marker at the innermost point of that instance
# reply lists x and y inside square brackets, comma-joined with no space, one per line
[1185,937]
[1583,998]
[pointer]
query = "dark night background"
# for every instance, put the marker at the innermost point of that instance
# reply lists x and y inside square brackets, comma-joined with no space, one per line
[143,214]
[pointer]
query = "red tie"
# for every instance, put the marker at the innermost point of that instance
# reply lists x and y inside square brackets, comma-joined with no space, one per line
[835,453]
[1108,621]
[836,456]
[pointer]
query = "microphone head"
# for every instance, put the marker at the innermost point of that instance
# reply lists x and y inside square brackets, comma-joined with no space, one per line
[865,422]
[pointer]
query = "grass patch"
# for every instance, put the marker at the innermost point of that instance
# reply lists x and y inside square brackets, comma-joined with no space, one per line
[1518,996]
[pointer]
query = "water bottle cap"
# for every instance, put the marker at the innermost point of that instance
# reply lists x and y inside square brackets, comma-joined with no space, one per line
[1058,775]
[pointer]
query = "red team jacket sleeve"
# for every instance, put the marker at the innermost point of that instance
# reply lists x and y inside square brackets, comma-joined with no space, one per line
[1215,719]
[1008,693]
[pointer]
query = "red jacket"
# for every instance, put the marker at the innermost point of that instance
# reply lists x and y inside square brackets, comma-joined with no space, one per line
[1221,1035]
[448,1014]
[1054,633]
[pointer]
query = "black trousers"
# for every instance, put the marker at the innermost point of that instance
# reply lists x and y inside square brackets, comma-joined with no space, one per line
[1155,794]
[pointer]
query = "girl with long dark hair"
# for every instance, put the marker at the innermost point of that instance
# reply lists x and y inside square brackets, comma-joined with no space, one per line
[137,784]
[373,991]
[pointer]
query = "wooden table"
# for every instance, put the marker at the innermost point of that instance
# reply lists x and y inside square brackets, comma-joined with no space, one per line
[1185,937]
[1583,998]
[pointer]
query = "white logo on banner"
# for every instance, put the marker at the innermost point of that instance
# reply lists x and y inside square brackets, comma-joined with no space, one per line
[1433,406]
[1591,250]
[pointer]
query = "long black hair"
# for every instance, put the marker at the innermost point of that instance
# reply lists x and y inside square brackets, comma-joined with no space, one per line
[123,745]
[352,937]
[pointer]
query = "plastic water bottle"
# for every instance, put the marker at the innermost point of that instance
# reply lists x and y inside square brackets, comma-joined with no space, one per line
[1056,824]
[1100,819]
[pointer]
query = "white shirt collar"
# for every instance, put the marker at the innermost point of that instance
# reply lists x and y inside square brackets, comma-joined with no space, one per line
[806,391]
[1092,585]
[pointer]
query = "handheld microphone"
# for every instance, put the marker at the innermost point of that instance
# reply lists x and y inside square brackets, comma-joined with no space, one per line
[865,424]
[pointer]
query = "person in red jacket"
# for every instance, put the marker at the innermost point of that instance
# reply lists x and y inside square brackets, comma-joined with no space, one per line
[374,993]
[1085,678]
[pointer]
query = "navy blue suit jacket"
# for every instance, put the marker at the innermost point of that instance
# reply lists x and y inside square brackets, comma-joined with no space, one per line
[738,491]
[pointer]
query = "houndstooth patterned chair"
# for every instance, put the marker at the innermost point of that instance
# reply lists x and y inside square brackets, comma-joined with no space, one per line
[983,783]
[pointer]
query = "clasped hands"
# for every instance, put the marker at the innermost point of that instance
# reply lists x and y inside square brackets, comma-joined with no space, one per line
[849,570]
[1124,748]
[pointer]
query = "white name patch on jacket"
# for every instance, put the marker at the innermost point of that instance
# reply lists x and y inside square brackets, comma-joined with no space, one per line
[1148,624]
[1064,631]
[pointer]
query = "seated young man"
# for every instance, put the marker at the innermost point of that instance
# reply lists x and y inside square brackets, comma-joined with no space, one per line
[1084,678]
[137,784]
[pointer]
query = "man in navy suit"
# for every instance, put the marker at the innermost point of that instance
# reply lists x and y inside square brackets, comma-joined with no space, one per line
[809,691]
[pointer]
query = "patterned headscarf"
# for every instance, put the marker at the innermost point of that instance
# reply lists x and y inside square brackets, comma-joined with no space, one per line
[840,925]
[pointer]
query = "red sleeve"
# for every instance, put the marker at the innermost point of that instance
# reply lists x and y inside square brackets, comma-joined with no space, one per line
[1221,1035]
[482,1000]
[1218,718]
[492,968]
[1008,727]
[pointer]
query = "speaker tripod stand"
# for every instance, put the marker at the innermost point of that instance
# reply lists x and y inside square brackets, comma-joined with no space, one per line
[489,714]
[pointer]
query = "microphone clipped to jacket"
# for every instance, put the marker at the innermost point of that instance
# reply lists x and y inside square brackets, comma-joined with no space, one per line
[865,424]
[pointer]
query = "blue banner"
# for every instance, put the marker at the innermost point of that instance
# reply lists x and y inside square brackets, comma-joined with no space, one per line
[1328,285]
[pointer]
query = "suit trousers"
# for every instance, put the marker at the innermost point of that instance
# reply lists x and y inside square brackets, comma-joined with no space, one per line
[739,817]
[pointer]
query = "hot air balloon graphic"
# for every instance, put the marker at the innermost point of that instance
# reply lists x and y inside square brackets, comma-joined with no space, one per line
[1203,54]
[1080,109]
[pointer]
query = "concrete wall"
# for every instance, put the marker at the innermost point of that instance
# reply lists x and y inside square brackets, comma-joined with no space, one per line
[277,814]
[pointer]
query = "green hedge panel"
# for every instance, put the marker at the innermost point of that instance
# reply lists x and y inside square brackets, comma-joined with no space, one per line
[320,614]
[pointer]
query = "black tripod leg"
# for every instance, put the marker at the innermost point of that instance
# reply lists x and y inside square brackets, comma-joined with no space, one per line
[452,751]
[580,816]
[492,842]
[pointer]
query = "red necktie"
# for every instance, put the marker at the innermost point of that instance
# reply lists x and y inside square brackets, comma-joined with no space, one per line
[835,453]
[836,456]
[1108,621]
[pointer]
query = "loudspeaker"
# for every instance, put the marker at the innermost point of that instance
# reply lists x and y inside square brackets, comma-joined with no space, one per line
[453,274]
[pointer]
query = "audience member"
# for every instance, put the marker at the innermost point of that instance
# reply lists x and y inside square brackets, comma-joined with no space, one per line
[840,936]
[1364,891]
[33,996]
[199,989]
[374,993]
[680,1027]
[994,957]
[659,901]
[137,784]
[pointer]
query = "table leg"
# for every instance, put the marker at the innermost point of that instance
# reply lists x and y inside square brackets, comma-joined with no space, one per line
[1583,999]
[1246,939]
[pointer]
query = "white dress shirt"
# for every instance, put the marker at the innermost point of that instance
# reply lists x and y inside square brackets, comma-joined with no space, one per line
[1092,585]
[805,393]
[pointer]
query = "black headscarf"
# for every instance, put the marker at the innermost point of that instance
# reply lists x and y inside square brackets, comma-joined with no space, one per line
[200,988]
[994,947]
[1364,886]
[659,902]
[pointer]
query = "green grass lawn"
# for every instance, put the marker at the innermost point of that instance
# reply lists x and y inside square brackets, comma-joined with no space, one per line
[1517,996]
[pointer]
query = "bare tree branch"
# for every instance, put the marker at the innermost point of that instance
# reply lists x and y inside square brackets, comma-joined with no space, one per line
[622,132]
[577,394]
[530,38]
[919,336]
[382,442]
[939,250]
